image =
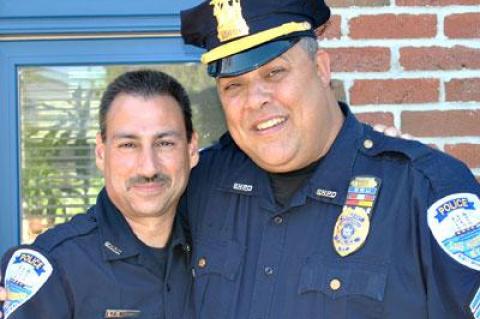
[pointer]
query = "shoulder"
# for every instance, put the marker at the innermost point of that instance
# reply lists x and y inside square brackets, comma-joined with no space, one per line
[79,225]
[442,172]
[223,157]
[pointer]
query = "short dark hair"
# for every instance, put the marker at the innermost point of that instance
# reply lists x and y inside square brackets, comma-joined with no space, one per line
[145,83]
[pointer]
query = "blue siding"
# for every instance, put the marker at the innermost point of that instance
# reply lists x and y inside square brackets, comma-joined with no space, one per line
[60,16]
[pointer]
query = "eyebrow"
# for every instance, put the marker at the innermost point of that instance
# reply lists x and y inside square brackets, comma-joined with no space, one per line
[130,136]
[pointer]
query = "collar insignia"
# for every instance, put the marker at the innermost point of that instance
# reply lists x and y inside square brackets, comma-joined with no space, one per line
[353,224]
[242,187]
[114,249]
[230,21]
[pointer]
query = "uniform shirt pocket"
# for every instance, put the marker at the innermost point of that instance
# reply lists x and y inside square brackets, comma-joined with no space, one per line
[216,266]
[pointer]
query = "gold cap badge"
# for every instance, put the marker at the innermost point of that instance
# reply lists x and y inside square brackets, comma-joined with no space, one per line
[230,21]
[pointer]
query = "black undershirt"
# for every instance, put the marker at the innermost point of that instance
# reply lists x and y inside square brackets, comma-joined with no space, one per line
[161,256]
[285,185]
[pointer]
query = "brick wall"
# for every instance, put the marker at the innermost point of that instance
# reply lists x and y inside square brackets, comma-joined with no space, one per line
[414,64]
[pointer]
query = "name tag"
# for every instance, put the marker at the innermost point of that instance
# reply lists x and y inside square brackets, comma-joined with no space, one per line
[122,313]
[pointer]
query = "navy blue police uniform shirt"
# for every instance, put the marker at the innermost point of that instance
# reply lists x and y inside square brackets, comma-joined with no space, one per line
[95,267]
[316,257]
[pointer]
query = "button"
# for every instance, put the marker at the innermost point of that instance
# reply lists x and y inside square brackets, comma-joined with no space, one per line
[202,262]
[278,219]
[268,271]
[368,144]
[187,248]
[335,284]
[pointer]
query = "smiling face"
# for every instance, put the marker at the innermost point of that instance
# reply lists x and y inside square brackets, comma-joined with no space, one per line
[283,114]
[145,157]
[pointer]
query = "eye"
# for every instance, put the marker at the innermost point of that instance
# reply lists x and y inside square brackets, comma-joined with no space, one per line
[164,144]
[275,72]
[231,86]
[127,145]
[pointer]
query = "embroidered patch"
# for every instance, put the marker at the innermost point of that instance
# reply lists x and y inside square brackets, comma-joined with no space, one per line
[455,223]
[26,273]
[475,305]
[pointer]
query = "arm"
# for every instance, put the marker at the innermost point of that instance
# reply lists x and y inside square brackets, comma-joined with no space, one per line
[449,230]
[35,286]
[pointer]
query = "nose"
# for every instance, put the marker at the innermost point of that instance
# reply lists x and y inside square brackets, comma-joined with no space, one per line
[259,94]
[147,162]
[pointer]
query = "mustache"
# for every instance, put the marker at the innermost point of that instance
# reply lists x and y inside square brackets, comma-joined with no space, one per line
[159,178]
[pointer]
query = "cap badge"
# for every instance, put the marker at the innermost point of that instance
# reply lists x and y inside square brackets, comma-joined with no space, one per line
[230,21]
[353,224]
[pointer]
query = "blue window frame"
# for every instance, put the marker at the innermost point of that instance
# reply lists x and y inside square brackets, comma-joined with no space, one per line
[53,17]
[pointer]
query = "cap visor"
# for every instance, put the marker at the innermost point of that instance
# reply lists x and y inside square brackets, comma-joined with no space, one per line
[249,60]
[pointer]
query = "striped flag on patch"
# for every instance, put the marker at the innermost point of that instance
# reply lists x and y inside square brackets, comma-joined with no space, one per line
[475,305]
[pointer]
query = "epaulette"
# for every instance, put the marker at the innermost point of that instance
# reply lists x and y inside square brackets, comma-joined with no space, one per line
[386,145]
[80,224]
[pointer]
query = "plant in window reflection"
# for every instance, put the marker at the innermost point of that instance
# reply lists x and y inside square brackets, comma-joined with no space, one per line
[57,151]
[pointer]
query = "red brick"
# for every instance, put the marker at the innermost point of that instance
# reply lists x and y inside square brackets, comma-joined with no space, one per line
[465,25]
[436,2]
[332,29]
[394,91]
[438,123]
[358,3]
[438,58]
[373,118]
[390,26]
[463,90]
[371,59]
[339,90]
[467,153]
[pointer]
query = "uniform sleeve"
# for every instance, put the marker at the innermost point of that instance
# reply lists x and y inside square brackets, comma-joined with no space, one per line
[35,285]
[448,207]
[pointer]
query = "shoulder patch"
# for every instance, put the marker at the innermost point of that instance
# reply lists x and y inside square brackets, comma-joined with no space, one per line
[455,223]
[27,271]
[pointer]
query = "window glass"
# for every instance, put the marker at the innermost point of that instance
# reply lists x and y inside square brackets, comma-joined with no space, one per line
[58,111]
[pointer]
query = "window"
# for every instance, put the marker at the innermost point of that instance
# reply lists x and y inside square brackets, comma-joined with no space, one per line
[58,111]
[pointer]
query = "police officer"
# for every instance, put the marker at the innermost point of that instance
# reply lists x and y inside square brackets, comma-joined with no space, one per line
[126,257]
[301,211]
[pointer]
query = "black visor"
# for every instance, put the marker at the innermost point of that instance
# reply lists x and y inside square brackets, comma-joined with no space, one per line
[251,59]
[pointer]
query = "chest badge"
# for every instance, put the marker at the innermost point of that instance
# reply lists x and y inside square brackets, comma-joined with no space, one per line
[353,224]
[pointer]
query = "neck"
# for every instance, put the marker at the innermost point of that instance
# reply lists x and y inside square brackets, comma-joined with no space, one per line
[152,231]
[336,121]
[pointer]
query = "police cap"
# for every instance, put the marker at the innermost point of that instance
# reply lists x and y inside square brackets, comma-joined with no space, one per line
[242,35]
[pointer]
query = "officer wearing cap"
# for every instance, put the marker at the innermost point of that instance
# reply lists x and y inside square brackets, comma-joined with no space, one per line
[126,257]
[301,211]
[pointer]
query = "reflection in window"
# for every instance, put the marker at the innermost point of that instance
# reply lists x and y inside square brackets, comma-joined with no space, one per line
[58,108]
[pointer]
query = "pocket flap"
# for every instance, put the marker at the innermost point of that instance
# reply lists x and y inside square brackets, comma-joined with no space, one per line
[221,257]
[343,278]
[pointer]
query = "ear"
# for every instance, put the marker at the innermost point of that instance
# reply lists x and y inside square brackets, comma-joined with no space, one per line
[99,152]
[322,64]
[193,150]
